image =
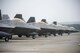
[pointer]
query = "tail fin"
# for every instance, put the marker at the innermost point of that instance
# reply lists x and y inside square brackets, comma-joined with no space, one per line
[0,15]
[55,22]
[19,16]
[44,20]
[5,17]
[31,19]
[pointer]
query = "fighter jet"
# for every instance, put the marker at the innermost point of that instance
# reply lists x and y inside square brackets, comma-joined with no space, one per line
[72,30]
[22,28]
[46,29]
[5,29]
[31,21]
[60,29]
[6,35]
[64,29]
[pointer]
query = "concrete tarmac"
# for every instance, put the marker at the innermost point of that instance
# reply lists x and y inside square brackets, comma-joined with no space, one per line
[58,44]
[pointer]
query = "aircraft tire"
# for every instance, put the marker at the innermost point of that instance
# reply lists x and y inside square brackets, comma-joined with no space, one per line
[58,33]
[1,37]
[68,33]
[54,34]
[6,39]
[10,37]
[61,34]
[19,35]
[49,34]
[33,36]
[39,34]
[45,36]
[27,36]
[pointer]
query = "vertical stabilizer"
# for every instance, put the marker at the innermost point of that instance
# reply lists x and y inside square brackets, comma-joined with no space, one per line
[31,19]
[0,15]
[19,16]
[55,22]
[5,17]
[44,20]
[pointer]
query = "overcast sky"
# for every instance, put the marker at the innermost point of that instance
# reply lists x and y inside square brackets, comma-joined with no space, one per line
[52,10]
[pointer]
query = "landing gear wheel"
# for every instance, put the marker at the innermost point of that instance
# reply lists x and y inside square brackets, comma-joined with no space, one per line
[27,35]
[61,34]
[68,33]
[54,34]
[49,34]
[1,37]
[10,37]
[6,39]
[45,35]
[58,33]
[39,34]
[33,36]
[19,35]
